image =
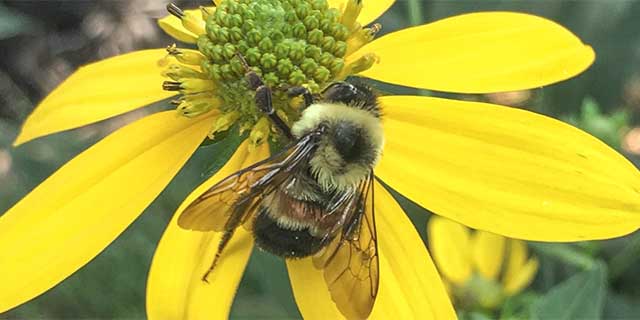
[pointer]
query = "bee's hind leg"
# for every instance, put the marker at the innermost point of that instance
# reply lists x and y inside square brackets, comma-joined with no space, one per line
[240,208]
[226,236]
[263,98]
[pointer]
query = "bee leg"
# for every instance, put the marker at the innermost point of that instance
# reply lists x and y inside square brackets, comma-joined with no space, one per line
[301,91]
[235,220]
[263,98]
[226,236]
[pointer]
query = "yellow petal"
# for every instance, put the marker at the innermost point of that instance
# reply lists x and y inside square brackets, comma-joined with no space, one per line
[98,91]
[508,171]
[175,289]
[173,26]
[523,278]
[515,262]
[371,9]
[410,287]
[449,244]
[74,214]
[479,52]
[488,253]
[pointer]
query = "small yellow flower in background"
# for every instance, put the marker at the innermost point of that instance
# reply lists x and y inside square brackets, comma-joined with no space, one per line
[490,167]
[481,269]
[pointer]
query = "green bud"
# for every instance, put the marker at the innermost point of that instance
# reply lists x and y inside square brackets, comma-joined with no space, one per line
[229,51]
[328,44]
[223,35]
[254,37]
[268,61]
[284,67]
[297,78]
[321,74]
[271,79]
[340,32]
[313,52]
[302,10]
[248,14]
[253,56]
[297,52]
[235,20]
[336,66]
[236,65]
[308,65]
[242,46]
[276,36]
[315,36]
[227,72]
[236,34]
[265,44]
[311,22]
[340,49]
[320,5]
[326,59]
[299,30]
[282,50]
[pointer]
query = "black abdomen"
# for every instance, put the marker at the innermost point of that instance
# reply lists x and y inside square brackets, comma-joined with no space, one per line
[283,242]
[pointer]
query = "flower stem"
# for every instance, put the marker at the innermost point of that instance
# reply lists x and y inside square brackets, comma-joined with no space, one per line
[414,10]
[564,252]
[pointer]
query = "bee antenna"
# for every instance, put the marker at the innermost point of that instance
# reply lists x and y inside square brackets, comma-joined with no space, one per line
[243,61]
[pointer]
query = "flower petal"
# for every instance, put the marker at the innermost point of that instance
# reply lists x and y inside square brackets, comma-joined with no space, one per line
[173,26]
[175,289]
[74,214]
[508,171]
[449,244]
[488,253]
[371,9]
[410,287]
[478,53]
[98,91]
[512,279]
[523,278]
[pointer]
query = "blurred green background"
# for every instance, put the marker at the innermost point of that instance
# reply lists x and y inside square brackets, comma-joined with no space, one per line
[42,42]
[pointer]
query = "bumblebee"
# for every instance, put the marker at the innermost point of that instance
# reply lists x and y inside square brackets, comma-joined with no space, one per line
[315,197]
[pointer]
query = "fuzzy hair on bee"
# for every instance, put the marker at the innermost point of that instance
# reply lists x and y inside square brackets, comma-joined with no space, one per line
[351,146]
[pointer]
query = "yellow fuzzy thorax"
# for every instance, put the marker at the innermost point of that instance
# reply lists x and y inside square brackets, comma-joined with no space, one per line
[330,170]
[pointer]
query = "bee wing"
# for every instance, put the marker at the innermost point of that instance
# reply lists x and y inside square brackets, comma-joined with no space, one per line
[350,261]
[239,195]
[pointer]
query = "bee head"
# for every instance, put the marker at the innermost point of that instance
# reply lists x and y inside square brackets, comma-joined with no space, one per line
[352,141]
[348,140]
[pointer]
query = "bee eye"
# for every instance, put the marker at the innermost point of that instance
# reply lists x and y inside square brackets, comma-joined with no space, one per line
[347,140]
[341,92]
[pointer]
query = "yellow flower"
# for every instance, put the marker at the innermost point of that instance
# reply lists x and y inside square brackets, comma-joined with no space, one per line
[481,268]
[530,177]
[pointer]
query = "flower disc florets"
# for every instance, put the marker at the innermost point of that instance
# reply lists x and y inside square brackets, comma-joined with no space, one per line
[287,42]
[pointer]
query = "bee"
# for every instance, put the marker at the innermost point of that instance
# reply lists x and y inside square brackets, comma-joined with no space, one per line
[314,199]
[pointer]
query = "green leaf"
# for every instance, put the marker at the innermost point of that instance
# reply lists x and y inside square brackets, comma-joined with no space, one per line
[579,297]
[13,23]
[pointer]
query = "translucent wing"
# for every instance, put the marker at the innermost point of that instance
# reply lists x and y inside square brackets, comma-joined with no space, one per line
[237,197]
[350,261]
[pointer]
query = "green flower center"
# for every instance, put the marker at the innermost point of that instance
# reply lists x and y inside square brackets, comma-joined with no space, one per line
[287,42]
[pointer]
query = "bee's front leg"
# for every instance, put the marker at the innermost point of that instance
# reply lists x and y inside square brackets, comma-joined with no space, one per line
[263,98]
[304,92]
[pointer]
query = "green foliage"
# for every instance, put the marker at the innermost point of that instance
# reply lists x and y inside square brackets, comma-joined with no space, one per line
[608,127]
[13,23]
[579,297]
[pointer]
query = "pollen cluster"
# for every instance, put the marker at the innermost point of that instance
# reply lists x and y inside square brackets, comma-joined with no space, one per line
[287,42]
